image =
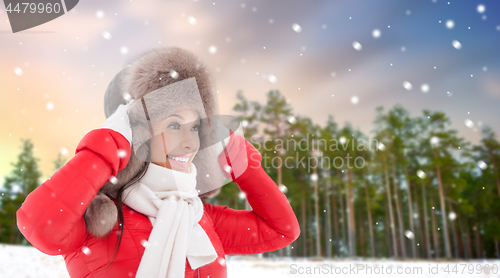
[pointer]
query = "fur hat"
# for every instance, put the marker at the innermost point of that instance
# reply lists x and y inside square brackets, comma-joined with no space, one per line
[169,74]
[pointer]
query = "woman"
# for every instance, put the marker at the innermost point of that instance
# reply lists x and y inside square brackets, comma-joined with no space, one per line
[127,204]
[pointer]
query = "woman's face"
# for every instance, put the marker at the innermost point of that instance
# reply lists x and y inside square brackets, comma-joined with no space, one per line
[178,142]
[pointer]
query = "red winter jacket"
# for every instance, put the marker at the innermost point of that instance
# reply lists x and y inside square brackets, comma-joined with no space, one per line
[51,218]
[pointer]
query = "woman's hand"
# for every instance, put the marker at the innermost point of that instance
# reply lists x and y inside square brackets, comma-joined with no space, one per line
[239,159]
[119,121]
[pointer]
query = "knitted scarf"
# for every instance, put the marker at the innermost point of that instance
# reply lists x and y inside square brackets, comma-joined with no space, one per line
[170,199]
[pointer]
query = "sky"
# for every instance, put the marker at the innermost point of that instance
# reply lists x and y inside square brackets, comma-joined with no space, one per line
[339,58]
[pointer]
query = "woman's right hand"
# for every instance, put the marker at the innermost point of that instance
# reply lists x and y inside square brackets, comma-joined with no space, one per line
[119,121]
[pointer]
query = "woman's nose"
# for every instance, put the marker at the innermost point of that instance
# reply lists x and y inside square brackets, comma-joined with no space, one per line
[188,139]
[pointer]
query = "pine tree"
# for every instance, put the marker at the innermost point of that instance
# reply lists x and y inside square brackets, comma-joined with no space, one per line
[59,162]
[276,114]
[23,179]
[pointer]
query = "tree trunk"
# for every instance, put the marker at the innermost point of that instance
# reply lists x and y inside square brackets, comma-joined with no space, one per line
[342,215]
[463,248]
[387,231]
[369,214]
[303,232]
[316,214]
[419,225]
[468,239]
[389,203]
[478,241]
[398,210]
[434,228]
[497,249]
[335,218]
[453,232]
[426,223]
[310,238]
[350,210]
[443,208]
[278,153]
[361,238]
[328,226]
[410,212]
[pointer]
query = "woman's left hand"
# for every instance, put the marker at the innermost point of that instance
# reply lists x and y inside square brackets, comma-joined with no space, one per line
[239,159]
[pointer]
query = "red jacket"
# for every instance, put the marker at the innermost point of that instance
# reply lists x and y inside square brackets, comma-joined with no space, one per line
[51,217]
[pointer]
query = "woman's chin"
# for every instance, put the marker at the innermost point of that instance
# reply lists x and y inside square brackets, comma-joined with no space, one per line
[175,165]
[179,166]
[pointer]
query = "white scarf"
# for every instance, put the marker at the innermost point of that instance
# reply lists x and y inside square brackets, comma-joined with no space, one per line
[170,199]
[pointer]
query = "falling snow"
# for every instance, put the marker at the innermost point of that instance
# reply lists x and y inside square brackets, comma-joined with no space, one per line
[86,250]
[381,146]
[174,74]
[106,35]
[424,88]
[357,46]
[409,234]
[272,78]
[469,123]
[481,164]
[192,20]
[50,106]
[450,24]
[283,188]
[99,14]
[481,8]
[63,151]
[421,174]
[296,28]
[456,44]
[407,85]
[113,179]
[124,50]
[18,71]
[376,33]
[434,140]
[242,195]
[212,49]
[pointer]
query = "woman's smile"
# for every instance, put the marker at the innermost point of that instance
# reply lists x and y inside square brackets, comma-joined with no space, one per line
[181,161]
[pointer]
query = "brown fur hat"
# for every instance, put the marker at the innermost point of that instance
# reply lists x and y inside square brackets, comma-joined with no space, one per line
[149,72]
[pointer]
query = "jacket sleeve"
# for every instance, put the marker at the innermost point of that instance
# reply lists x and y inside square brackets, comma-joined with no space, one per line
[271,225]
[51,217]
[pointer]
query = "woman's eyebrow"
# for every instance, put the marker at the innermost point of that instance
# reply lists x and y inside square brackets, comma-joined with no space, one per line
[176,116]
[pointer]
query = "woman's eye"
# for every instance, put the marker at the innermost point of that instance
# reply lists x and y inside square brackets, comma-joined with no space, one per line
[174,125]
[195,128]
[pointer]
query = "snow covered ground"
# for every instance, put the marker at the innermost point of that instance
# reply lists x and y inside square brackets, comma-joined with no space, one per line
[27,262]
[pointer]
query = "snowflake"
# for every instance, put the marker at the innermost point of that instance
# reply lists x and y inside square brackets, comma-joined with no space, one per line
[296,28]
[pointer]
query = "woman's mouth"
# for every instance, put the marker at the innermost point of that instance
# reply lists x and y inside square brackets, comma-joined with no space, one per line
[180,161]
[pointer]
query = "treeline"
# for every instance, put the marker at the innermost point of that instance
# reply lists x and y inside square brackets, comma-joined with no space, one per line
[413,188]
[23,179]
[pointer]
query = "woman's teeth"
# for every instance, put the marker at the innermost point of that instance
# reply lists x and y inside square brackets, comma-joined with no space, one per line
[181,159]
